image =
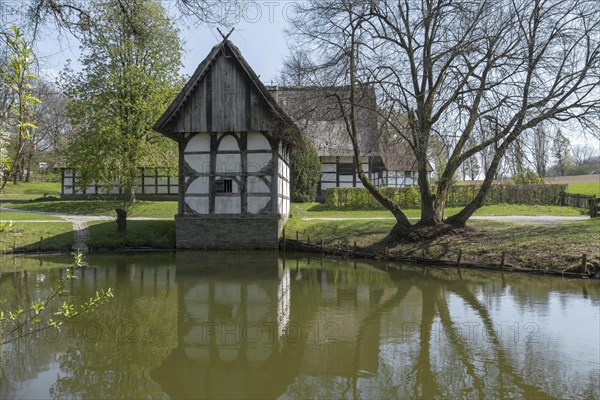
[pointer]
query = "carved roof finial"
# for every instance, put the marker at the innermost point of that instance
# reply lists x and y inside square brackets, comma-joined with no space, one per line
[225,37]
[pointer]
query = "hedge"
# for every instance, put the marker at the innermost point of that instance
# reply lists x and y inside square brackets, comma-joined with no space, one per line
[408,197]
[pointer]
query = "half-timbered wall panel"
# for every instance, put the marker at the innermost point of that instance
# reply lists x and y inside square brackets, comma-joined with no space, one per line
[244,160]
[199,186]
[283,182]
[228,205]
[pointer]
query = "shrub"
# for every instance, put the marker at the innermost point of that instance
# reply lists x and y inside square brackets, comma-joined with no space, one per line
[305,173]
[408,197]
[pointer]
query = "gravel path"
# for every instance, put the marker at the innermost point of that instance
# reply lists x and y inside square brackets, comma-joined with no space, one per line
[81,232]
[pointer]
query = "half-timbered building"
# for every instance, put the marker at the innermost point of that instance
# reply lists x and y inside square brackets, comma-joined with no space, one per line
[317,112]
[399,166]
[234,141]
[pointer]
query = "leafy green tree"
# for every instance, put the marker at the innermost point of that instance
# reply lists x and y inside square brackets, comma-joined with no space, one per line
[17,78]
[131,55]
[305,173]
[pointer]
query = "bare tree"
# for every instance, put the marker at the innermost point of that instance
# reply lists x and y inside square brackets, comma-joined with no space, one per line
[562,153]
[582,155]
[477,74]
[540,148]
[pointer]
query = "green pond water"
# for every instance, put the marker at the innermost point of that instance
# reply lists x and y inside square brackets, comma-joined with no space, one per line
[258,325]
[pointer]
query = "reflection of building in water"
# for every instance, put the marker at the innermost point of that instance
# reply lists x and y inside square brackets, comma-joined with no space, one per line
[283,295]
[231,307]
[249,330]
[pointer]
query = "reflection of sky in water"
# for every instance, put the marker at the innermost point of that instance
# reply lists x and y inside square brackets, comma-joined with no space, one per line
[228,328]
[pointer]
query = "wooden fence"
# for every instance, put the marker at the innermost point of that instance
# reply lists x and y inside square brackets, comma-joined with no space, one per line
[589,202]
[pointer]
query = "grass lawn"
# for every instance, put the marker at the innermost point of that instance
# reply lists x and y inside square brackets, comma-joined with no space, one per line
[20,216]
[29,190]
[154,234]
[556,246]
[584,188]
[317,210]
[26,236]
[153,209]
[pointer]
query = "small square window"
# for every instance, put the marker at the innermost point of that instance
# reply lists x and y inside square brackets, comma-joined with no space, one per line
[224,186]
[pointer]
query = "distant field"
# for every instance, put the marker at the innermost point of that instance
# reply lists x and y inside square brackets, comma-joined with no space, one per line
[584,188]
[575,179]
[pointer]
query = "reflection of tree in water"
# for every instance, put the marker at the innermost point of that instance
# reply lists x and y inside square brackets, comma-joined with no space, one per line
[372,355]
[456,365]
[115,348]
[25,359]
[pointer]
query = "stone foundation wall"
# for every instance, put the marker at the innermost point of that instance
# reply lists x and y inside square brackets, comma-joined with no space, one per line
[227,232]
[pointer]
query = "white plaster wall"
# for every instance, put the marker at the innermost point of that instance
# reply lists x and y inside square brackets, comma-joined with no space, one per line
[199,162]
[198,204]
[228,142]
[258,141]
[228,205]
[199,142]
[200,185]
[284,187]
[328,167]
[68,190]
[328,177]
[256,185]
[228,163]
[255,204]
[257,161]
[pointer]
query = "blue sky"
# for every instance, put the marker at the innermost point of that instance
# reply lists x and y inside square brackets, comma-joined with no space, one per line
[259,34]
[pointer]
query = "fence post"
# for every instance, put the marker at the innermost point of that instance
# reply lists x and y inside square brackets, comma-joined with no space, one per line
[592,207]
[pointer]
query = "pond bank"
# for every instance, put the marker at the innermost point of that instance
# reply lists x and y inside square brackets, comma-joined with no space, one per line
[563,249]
[349,252]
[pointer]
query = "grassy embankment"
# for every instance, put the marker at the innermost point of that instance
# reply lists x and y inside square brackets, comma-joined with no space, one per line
[550,246]
[58,236]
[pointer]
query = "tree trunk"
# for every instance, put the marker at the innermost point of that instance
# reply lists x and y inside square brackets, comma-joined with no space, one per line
[461,218]
[28,173]
[121,219]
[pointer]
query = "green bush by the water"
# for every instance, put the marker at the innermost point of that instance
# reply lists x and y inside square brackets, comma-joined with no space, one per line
[408,197]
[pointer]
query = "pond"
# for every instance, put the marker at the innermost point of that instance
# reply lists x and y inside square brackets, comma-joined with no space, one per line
[261,325]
